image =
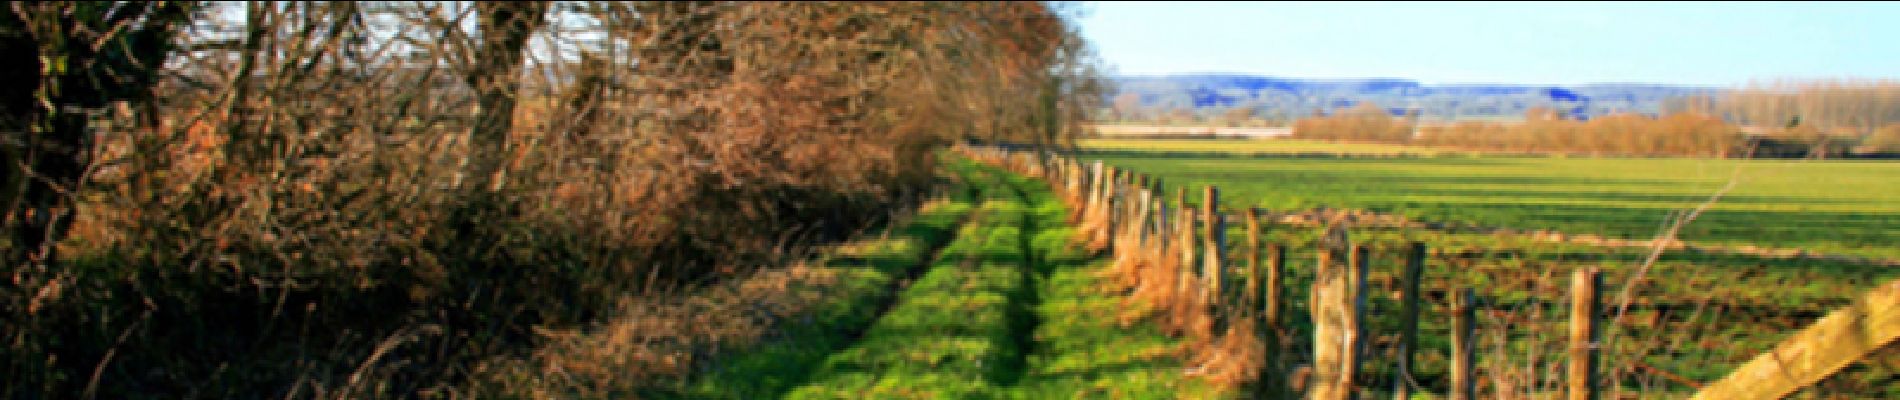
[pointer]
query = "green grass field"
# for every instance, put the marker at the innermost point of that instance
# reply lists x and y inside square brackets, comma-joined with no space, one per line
[1253,146]
[1694,315]
[1849,207]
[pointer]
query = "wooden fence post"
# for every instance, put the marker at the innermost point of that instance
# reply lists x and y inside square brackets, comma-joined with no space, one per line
[1583,334]
[1087,190]
[1159,228]
[1184,237]
[1331,309]
[1138,209]
[1251,220]
[1112,201]
[1098,185]
[1273,379]
[1184,241]
[1275,297]
[1463,309]
[1408,321]
[1355,340]
[1078,181]
[1214,241]
[1143,209]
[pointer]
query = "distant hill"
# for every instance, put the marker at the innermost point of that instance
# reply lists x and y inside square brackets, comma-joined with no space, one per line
[1283,98]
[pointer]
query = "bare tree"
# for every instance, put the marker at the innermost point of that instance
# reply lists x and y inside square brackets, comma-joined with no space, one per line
[96,54]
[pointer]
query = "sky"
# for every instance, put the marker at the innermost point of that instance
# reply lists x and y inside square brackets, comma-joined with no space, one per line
[1721,44]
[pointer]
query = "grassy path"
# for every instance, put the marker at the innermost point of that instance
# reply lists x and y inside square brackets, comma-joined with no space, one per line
[867,270]
[1010,309]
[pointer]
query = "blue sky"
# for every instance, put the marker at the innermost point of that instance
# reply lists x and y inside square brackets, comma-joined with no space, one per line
[1696,43]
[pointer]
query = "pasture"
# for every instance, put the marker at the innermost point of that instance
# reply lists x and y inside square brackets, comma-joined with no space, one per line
[1847,207]
[1692,317]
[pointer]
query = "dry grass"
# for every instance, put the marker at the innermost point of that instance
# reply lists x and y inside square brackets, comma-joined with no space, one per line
[662,337]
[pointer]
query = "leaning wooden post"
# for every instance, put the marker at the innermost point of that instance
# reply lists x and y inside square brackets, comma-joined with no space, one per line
[1463,309]
[1331,309]
[1820,350]
[1408,321]
[1583,334]
[1214,241]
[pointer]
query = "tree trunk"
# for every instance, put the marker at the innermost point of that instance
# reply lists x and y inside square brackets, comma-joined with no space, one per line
[504,28]
[100,56]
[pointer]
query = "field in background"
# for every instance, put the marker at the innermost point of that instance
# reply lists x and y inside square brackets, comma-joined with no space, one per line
[1254,147]
[1849,207]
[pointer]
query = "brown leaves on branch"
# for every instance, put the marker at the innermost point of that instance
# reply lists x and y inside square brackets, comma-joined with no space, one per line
[306,167]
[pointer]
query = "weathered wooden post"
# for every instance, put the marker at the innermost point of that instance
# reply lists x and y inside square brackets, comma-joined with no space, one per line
[1068,182]
[1087,188]
[1098,186]
[1251,220]
[1184,241]
[1331,309]
[1583,334]
[1144,205]
[1273,380]
[1129,205]
[1463,309]
[1184,238]
[1275,297]
[1161,214]
[1214,241]
[1111,212]
[1134,204]
[1075,183]
[1822,349]
[1158,226]
[1355,331]
[1408,321]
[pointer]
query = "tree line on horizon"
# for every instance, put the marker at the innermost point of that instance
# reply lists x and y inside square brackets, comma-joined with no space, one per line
[1819,119]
